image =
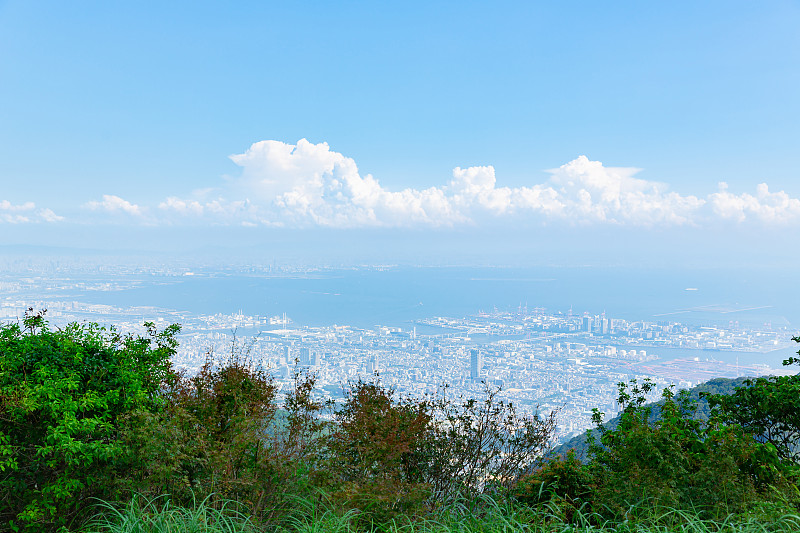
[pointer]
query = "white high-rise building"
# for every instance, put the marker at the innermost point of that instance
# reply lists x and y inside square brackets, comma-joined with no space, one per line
[475,364]
[305,356]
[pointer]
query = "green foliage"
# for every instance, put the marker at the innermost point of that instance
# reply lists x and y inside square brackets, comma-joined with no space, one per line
[159,515]
[211,431]
[562,484]
[768,407]
[63,395]
[485,515]
[379,435]
[484,445]
[378,453]
[698,396]
[678,461]
[86,412]
[390,455]
[221,434]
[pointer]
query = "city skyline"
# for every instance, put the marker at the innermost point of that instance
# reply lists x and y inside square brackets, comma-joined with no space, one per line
[540,359]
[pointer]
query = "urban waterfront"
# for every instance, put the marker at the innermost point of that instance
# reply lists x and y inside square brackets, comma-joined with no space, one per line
[541,358]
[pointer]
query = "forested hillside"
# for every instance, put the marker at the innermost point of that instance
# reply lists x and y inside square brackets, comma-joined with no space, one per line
[723,386]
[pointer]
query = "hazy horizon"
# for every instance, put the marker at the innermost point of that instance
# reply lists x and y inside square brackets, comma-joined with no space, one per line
[424,134]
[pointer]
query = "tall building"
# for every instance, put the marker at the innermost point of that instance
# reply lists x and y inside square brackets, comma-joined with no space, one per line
[475,364]
[286,355]
[587,324]
[372,364]
[305,356]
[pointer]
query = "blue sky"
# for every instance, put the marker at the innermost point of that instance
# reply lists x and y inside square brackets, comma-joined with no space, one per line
[659,128]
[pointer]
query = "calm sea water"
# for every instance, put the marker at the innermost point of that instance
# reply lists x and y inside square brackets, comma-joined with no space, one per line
[397,296]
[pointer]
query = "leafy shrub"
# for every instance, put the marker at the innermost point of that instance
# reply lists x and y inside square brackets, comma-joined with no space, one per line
[378,449]
[768,407]
[391,455]
[562,484]
[723,386]
[222,434]
[63,395]
[484,446]
[212,430]
[678,461]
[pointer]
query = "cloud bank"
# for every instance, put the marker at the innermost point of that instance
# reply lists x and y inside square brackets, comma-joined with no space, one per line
[25,213]
[766,206]
[115,204]
[309,185]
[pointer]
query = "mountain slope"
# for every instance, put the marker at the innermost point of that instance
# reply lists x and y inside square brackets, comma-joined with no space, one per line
[713,386]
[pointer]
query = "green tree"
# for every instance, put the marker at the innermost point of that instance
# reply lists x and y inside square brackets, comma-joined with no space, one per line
[579,444]
[221,436]
[391,454]
[677,461]
[63,395]
[378,448]
[768,407]
[484,445]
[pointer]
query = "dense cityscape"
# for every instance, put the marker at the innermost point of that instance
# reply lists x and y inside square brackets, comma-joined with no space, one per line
[539,358]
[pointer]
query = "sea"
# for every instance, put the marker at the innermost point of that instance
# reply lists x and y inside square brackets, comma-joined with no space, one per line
[398,296]
[390,296]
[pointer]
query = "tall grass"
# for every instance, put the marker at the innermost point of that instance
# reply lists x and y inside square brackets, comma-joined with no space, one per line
[158,515]
[484,515]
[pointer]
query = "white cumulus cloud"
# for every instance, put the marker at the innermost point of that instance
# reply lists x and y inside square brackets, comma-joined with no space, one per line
[8,207]
[183,207]
[592,192]
[26,212]
[775,207]
[49,216]
[115,204]
[307,184]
